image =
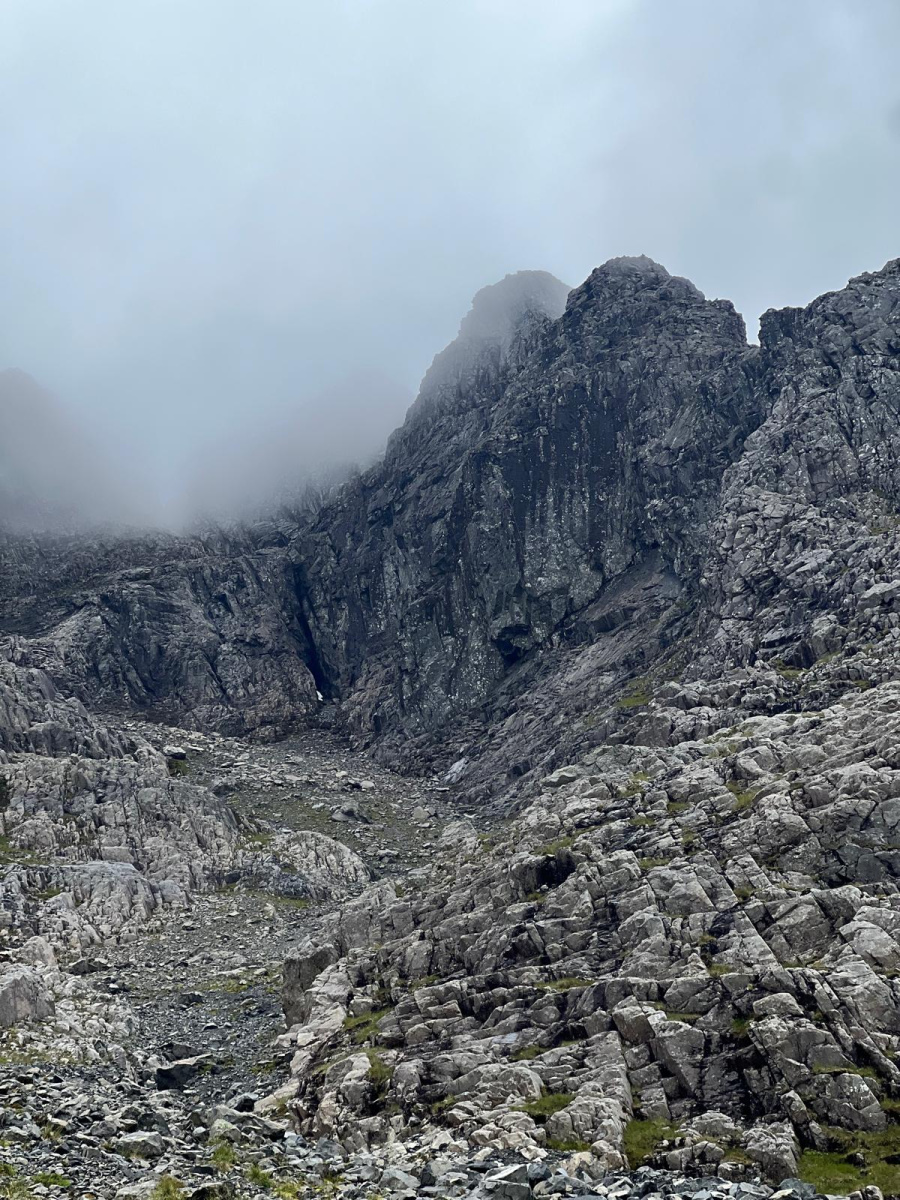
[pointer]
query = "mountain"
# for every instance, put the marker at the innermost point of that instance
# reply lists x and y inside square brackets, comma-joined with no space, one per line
[635,491]
[555,756]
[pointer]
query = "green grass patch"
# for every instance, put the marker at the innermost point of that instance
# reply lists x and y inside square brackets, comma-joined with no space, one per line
[852,1069]
[527,1053]
[422,982]
[379,1072]
[787,672]
[12,1187]
[649,864]
[642,822]
[561,1146]
[642,1137]
[231,987]
[223,1156]
[324,1067]
[717,970]
[46,893]
[677,806]
[552,848]
[726,749]
[830,1171]
[743,797]
[53,1179]
[365,1026]
[738,1156]
[687,1017]
[297,903]
[10,853]
[636,783]
[547,1105]
[168,1188]
[290,1191]
[566,984]
[259,839]
[177,767]
[740,1027]
[260,1178]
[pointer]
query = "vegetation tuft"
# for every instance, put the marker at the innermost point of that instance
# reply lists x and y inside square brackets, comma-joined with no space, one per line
[365,1026]
[168,1188]
[547,1105]
[743,797]
[552,848]
[566,984]
[642,1137]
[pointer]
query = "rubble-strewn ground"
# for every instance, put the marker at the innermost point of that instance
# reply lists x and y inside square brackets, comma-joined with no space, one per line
[117,1055]
[662,958]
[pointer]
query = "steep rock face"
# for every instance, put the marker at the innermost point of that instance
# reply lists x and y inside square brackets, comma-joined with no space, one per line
[593,450]
[201,631]
[620,491]
[465,374]
[808,514]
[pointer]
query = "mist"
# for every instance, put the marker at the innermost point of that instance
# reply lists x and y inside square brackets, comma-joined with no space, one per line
[233,236]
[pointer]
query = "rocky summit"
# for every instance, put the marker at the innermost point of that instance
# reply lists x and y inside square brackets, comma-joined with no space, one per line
[521,821]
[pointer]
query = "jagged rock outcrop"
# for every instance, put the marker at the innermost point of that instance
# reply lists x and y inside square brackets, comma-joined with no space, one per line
[203,631]
[806,540]
[622,490]
[635,494]
[589,457]
[100,833]
[663,933]
[466,373]
[635,583]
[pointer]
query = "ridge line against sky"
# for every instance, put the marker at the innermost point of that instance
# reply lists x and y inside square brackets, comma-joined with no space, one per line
[234,236]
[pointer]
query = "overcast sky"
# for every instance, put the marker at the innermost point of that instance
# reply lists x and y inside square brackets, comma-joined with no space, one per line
[224,223]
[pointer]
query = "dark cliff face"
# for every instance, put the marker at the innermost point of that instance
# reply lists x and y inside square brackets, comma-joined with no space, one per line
[201,631]
[594,449]
[596,491]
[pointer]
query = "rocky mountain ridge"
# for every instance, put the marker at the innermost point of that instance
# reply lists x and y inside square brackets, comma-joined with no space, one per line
[623,599]
[582,490]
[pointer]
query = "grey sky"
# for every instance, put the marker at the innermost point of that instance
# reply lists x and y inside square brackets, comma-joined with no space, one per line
[224,224]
